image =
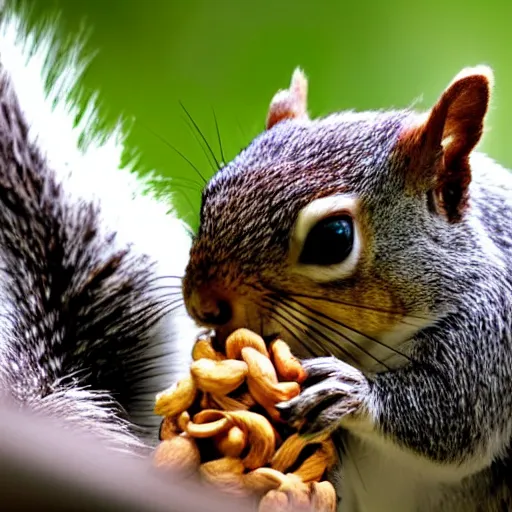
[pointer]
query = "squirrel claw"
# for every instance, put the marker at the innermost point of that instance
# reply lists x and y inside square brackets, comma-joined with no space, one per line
[337,391]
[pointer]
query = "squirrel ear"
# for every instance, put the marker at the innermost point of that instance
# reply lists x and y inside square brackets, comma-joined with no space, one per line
[453,128]
[456,121]
[290,103]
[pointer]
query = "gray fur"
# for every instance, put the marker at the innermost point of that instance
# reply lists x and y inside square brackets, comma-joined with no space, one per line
[449,408]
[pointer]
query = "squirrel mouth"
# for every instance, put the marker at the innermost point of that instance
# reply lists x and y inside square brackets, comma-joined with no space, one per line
[269,338]
[220,335]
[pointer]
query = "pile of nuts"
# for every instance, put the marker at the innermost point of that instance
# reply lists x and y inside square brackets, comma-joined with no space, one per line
[221,422]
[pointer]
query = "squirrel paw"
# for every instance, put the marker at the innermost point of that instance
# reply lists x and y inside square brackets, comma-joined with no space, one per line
[335,391]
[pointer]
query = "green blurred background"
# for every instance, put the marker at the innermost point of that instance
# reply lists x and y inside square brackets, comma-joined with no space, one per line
[229,57]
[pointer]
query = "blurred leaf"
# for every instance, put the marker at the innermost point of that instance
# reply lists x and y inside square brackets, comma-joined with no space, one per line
[231,56]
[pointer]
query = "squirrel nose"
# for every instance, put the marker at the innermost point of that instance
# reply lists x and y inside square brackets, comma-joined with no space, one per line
[213,311]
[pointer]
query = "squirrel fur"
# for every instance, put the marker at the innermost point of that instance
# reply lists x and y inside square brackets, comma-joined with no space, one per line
[408,340]
[90,259]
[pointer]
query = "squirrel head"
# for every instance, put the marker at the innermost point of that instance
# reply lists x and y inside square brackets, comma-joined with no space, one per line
[336,233]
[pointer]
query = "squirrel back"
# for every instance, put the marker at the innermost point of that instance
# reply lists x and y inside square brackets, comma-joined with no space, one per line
[90,261]
[379,245]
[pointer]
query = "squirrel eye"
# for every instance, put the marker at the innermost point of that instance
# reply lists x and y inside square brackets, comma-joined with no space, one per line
[329,242]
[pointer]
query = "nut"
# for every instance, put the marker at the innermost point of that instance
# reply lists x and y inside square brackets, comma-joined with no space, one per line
[242,338]
[289,498]
[232,442]
[227,403]
[320,497]
[183,420]
[206,401]
[225,473]
[247,400]
[168,429]
[259,366]
[313,468]
[179,453]
[218,377]
[288,452]
[177,398]
[262,480]
[225,388]
[287,365]
[275,501]
[208,423]
[203,349]
[214,469]
[284,391]
[207,429]
[260,437]
[329,451]
[208,415]
[291,482]
[263,384]
[323,497]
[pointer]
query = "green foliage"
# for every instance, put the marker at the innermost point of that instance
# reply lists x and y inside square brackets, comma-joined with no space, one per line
[229,57]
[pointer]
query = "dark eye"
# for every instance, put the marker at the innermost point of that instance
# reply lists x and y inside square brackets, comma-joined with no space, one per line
[329,242]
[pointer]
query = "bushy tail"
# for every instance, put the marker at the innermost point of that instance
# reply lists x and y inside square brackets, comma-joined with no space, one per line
[90,303]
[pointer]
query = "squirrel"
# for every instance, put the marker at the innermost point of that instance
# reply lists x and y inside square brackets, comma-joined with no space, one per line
[92,317]
[378,244]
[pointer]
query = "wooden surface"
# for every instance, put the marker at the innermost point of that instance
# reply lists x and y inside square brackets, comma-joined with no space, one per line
[43,467]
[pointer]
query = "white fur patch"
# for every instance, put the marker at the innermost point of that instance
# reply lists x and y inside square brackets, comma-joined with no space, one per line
[141,221]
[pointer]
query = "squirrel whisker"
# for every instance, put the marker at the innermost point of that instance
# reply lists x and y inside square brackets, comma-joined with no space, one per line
[321,346]
[179,179]
[359,306]
[176,289]
[159,278]
[295,323]
[287,324]
[290,307]
[223,158]
[177,151]
[345,326]
[210,151]
[177,186]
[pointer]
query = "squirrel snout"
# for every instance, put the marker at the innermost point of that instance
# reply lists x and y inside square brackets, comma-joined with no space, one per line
[209,309]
